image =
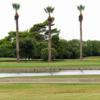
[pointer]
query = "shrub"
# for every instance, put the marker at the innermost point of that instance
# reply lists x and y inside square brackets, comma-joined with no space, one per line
[44,54]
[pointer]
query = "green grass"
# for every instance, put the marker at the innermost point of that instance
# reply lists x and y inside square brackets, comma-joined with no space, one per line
[62,76]
[93,58]
[49,91]
[87,63]
[65,63]
[7,59]
[66,76]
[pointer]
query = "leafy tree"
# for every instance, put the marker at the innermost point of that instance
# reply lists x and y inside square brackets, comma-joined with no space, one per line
[44,54]
[68,49]
[26,48]
[6,48]
[55,41]
[39,47]
[37,31]
[62,49]
[88,48]
[73,47]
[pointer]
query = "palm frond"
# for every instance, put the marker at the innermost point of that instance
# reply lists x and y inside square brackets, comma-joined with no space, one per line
[16,6]
[80,7]
[49,9]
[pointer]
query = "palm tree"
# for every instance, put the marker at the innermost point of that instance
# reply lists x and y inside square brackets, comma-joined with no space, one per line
[49,10]
[16,7]
[81,8]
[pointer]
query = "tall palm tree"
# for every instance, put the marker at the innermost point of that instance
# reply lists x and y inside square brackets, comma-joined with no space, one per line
[81,8]
[16,7]
[49,10]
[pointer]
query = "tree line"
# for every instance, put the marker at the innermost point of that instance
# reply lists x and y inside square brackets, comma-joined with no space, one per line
[33,44]
[42,41]
[50,20]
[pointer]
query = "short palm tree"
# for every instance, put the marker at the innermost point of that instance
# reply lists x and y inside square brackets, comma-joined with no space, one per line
[49,10]
[16,7]
[81,8]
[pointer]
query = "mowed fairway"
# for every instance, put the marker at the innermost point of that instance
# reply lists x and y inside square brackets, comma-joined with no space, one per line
[86,63]
[49,91]
[65,63]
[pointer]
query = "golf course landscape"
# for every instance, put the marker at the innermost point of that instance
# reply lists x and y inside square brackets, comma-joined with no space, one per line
[11,90]
[49,50]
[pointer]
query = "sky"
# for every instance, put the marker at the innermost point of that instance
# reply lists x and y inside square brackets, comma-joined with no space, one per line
[66,17]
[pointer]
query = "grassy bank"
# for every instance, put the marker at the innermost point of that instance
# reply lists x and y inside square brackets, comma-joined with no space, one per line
[66,76]
[59,76]
[41,66]
[49,91]
[64,63]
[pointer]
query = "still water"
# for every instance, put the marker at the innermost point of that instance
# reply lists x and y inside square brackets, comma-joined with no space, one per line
[65,72]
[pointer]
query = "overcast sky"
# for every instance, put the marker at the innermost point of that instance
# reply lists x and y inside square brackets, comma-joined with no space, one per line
[65,13]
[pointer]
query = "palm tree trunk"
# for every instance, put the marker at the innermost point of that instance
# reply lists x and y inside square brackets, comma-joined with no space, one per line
[81,43]
[49,44]
[17,40]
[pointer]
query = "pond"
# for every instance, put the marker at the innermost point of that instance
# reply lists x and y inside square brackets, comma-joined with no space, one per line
[65,72]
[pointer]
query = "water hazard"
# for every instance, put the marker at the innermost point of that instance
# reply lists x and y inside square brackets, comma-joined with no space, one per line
[65,72]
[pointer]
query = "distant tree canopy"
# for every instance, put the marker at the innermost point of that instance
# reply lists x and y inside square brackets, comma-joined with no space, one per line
[34,44]
[31,42]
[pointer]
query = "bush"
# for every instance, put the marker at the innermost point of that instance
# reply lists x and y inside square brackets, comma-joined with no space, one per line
[44,54]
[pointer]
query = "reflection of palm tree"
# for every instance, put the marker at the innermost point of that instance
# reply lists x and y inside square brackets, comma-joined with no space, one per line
[49,10]
[81,8]
[16,7]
